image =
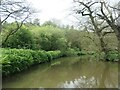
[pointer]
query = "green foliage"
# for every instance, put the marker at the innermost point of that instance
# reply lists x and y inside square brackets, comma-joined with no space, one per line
[49,23]
[110,56]
[16,60]
[55,54]
[54,38]
[21,39]
[69,52]
[81,53]
[49,37]
[74,38]
[113,56]
[45,42]
[51,41]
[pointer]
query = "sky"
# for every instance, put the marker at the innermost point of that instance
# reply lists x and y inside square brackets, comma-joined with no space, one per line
[53,9]
[56,9]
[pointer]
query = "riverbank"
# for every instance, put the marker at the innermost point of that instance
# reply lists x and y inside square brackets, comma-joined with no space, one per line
[16,60]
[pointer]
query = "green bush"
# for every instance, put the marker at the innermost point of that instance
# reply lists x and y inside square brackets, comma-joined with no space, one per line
[69,52]
[16,60]
[110,56]
[50,57]
[21,39]
[81,53]
[113,56]
[55,54]
[43,55]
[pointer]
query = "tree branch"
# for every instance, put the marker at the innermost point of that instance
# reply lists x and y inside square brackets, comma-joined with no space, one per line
[105,33]
[102,28]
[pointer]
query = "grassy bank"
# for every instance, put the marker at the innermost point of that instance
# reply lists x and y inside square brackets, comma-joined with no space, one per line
[16,60]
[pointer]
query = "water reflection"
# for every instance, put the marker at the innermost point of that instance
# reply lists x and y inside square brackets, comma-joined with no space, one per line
[71,72]
[98,75]
[82,82]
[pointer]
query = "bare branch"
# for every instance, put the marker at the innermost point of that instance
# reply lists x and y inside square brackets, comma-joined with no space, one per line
[104,27]
[114,8]
[105,33]
[5,18]
[19,11]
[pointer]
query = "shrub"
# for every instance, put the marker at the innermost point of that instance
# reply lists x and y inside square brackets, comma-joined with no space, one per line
[113,56]
[81,53]
[16,60]
[55,54]
[43,56]
[49,56]
[69,52]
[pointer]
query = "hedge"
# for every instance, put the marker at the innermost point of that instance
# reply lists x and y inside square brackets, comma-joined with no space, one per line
[16,60]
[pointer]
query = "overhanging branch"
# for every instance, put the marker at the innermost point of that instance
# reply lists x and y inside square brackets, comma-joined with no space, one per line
[105,33]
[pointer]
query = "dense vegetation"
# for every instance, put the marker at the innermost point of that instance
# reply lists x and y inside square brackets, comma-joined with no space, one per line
[27,43]
[16,60]
[34,44]
[48,37]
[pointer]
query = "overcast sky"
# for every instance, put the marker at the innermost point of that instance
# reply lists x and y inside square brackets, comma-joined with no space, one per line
[53,9]
[58,9]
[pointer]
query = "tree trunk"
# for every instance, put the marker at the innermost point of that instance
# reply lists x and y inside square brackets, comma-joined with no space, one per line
[117,32]
[103,48]
[116,28]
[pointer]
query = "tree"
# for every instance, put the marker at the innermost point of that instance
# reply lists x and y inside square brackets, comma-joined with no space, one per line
[73,38]
[17,11]
[36,22]
[21,39]
[86,10]
[99,25]
[49,23]
[111,19]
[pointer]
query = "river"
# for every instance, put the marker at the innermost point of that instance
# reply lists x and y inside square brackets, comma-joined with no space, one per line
[68,72]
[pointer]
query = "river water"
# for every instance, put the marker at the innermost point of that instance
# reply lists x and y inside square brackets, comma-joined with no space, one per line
[69,72]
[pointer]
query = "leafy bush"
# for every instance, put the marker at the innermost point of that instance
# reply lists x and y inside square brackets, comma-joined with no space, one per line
[69,52]
[16,60]
[113,56]
[81,53]
[110,56]
[21,39]
[55,54]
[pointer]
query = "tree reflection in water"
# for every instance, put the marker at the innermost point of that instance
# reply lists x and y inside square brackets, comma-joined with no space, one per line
[82,82]
[101,77]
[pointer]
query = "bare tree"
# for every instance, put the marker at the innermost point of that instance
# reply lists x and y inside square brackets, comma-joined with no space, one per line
[111,19]
[87,9]
[15,10]
[101,18]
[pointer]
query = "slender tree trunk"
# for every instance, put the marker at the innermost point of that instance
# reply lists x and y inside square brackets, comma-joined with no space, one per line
[117,32]
[3,43]
[116,28]
[118,37]
[103,48]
